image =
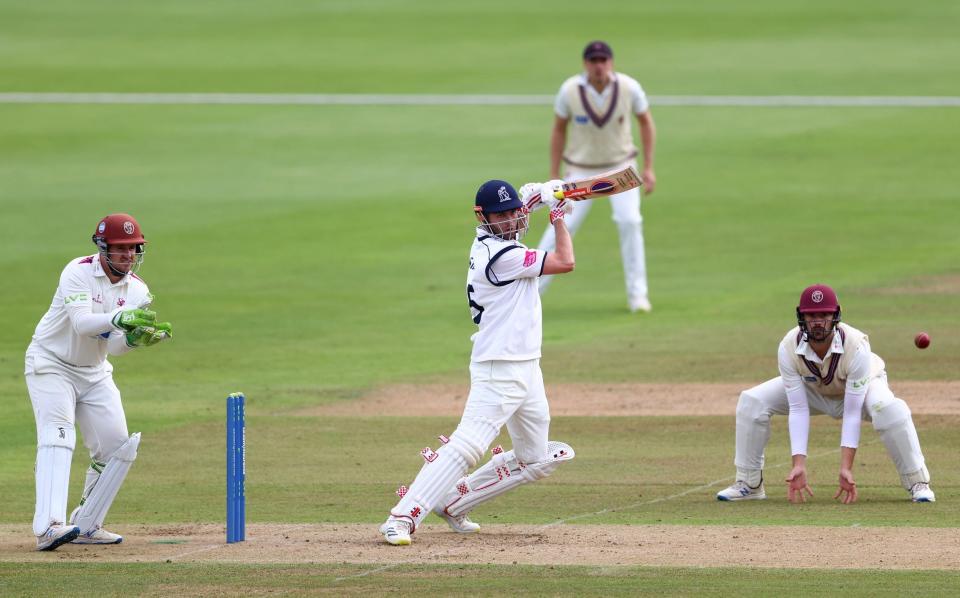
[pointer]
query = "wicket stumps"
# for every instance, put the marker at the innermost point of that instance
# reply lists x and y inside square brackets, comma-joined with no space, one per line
[236,468]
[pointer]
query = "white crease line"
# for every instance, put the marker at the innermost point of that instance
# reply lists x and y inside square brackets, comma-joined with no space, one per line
[371,572]
[684,493]
[198,550]
[610,510]
[347,99]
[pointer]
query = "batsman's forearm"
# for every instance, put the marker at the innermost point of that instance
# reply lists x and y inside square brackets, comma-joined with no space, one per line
[564,246]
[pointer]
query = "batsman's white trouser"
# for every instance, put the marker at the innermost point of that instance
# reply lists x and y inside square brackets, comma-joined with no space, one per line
[66,396]
[890,416]
[626,215]
[501,392]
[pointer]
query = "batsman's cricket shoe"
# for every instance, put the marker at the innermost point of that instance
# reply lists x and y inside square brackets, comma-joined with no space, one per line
[460,524]
[741,491]
[98,536]
[921,492]
[396,532]
[56,535]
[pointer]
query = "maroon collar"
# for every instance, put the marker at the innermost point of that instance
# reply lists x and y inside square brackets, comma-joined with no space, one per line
[597,120]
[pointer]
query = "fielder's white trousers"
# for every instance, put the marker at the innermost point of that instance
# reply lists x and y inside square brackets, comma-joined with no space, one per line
[890,416]
[626,215]
[64,395]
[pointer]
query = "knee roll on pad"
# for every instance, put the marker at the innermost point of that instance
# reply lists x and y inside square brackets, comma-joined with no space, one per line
[63,436]
[471,439]
[890,415]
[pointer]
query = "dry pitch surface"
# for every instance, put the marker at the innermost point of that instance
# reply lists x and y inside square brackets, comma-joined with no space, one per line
[564,544]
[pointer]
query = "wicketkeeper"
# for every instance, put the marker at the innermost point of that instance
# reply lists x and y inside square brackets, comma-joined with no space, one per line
[100,307]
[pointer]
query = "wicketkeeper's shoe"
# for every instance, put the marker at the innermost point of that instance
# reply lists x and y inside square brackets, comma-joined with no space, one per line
[741,491]
[396,532]
[921,492]
[57,535]
[460,524]
[98,536]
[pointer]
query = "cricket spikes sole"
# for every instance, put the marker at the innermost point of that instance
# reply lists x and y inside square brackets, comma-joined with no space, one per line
[741,491]
[57,535]
[396,532]
[98,536]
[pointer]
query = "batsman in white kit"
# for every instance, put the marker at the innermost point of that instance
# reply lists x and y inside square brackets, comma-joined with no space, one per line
[826,367]
[506,384]
[99,307]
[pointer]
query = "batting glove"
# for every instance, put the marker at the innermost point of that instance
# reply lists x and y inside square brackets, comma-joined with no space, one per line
[561,209]
[134,318]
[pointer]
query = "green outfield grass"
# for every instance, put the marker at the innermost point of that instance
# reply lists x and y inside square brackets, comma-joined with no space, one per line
[308,254]
[449,580]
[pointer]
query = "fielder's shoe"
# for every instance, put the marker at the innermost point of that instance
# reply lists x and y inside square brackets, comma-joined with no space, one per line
[396,532]
[921,492]
[741,491]
[56,535]
[98,536]
[640,304]
[460,524]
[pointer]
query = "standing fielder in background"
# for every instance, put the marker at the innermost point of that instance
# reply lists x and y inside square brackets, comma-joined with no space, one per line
[825,367]
[506,385]
[592,134]
[99,307]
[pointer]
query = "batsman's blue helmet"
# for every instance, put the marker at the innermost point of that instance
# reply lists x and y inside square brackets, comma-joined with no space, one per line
[497,196]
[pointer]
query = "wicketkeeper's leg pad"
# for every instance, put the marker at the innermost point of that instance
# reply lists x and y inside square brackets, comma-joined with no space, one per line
[93,507]
[503,472]
[55,444]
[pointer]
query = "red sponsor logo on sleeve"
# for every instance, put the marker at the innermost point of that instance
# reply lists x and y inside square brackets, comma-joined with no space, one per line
[529,259]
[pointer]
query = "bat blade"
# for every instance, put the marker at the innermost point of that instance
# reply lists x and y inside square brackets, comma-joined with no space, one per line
[601,185]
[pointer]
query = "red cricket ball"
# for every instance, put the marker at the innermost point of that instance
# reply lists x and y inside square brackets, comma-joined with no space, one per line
[922,340]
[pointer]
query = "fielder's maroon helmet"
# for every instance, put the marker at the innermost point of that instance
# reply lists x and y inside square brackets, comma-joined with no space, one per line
[818,298]
[116,229]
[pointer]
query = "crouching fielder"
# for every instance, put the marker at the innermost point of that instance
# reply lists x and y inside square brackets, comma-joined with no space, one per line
[825,368]
[506,385]
[99,307]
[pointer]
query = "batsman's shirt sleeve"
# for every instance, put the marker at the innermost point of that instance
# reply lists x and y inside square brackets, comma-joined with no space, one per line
[77,297]
[513,262]
[798,420]
[858,378]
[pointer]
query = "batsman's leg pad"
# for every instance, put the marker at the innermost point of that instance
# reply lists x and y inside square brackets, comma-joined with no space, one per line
[443,467]
[502,473]
[55,445]
[894,422]
[93,508]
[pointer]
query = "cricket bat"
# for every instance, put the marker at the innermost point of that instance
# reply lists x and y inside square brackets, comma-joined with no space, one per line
[607,183]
